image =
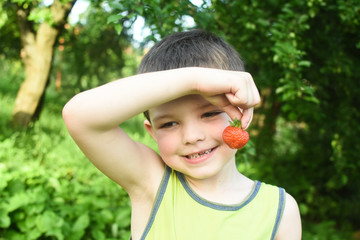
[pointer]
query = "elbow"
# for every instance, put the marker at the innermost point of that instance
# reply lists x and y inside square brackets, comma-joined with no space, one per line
[71,117]
[66,113]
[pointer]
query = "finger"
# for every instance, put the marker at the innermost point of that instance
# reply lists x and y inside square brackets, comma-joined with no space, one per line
[252,86]
[233,112]
[247,116]
[246,96]
[242,100]
[256,95]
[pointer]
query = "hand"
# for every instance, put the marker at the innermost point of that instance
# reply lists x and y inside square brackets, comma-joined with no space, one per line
[234,92]
[245,115]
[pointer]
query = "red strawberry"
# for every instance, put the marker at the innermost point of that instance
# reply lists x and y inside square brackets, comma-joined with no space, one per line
[234,136]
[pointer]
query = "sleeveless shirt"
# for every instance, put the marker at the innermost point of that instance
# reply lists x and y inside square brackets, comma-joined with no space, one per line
[180,214]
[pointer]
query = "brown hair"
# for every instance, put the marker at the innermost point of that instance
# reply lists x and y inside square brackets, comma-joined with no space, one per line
[195,48]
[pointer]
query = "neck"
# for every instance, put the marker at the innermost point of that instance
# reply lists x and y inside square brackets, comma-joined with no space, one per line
[229,186]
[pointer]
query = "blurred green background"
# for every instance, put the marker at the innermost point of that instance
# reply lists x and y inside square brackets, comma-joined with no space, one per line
[303,54]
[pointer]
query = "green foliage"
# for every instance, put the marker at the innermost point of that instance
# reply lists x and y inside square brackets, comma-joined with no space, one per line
[13,74]
[268,37]
[39,15]
[48,188]
[243,160]
[161,17]
[304,57]
[41,200]
[93,53]
[324,231]
[9,34]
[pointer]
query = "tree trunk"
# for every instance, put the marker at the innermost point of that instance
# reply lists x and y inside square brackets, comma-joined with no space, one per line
[37,51]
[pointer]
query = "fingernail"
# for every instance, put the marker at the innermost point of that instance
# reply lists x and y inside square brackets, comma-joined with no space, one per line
[248,124]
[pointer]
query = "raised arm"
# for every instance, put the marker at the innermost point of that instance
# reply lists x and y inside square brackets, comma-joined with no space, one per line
[93,117]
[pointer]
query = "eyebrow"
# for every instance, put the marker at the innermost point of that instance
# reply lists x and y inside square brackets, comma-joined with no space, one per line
[161,116]
[166,115]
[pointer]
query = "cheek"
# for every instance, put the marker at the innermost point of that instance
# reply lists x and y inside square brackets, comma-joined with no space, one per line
[217,130]
[167,145]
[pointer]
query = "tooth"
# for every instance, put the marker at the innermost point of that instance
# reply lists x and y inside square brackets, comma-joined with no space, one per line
[196,155]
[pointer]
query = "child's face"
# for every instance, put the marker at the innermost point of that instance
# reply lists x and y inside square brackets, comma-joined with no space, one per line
[188,131]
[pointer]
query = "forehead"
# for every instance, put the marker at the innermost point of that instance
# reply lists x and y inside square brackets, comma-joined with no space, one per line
[182,105]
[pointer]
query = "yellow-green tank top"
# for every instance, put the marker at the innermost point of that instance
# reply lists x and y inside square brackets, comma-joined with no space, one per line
[180,214]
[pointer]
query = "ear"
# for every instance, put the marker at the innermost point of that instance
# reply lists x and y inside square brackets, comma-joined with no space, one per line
[149,129]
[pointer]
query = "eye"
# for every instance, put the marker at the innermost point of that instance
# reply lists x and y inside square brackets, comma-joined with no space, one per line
[211,114]
[168,125]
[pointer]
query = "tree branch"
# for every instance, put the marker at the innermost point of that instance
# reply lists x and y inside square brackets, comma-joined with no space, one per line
[60,12]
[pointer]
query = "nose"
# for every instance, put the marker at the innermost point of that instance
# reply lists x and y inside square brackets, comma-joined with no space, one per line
[192,133]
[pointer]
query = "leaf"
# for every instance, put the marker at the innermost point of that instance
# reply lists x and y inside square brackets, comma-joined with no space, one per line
[303,18]
[17,201]
[40,15]
[114,18]
[106,215]
[118,28]
[30,221]
[312,99]
[97,234]
[42,221]
[122,219]
[49,222]
[34,209]
[263,22]
[116,5]
[304,63]
[56,232]
[4,219]
[34,233]
[81,223]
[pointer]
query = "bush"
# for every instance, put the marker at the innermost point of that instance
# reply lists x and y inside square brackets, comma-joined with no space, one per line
[39,202]
[49,190]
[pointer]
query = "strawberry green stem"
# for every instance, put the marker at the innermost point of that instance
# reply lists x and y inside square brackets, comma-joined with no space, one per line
[235,123]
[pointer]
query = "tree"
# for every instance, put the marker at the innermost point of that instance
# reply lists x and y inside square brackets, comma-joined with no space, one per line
[162,17]
[93,51]
[39,27]
[304,57]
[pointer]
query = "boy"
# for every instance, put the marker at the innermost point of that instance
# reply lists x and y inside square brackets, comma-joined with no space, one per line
[189,86]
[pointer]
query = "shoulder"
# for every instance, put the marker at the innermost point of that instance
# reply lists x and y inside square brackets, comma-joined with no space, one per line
[290,225]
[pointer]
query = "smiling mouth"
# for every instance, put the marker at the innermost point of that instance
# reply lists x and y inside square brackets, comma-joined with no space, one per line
[200,154]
